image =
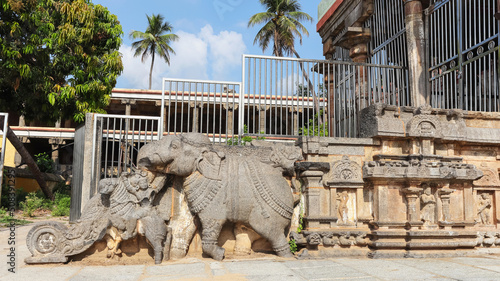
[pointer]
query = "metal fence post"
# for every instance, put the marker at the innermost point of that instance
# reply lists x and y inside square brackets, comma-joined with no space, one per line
[241,115]
[5,117]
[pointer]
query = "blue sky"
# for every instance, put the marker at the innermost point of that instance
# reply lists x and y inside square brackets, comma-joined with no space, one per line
[213,36]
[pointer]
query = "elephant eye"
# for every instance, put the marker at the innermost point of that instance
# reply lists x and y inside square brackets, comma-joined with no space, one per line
[175,144]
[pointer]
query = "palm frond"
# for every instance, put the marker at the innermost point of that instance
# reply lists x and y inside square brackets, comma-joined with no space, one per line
[282,25]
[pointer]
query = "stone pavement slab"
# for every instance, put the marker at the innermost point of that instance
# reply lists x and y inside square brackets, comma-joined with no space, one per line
[271,268]
[451,268]
[476,268]
[386,269]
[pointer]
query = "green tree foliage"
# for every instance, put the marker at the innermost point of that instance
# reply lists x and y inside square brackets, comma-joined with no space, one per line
[156,40]
[62,205]
[305,91]
[314,127]
[282,25]
[44,162]
[58,58]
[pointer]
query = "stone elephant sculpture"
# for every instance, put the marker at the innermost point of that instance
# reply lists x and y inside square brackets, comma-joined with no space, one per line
[228,184]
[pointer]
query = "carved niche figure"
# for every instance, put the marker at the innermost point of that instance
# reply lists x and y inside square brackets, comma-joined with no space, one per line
[225,183]
[428,205]
[122,209]
[484,209]
[343,210]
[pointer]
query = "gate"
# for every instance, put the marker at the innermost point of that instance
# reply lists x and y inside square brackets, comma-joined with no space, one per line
[463,46]
[288,97]
[117,140]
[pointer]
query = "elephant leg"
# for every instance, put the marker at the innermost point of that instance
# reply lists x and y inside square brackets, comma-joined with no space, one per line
[155,232]
[168,243]
[113,240]
[273,232]
[209,238]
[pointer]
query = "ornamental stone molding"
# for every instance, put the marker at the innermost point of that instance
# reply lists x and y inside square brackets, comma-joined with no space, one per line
[330,238]
[383,120]
[344,172]
[420,167]
[490,178]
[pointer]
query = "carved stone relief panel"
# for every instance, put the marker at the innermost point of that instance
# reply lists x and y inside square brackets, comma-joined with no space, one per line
[344,171]
[484,204]
[424,126]
[490,177]
[428,206]
[346,207]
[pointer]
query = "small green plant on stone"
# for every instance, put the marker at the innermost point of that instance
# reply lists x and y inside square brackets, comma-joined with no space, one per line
[293,246]
[245,139]
[301,223]
[31,204]
[313,128]
[62,205]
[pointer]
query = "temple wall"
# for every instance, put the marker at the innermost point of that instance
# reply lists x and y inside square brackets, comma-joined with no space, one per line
[423,182]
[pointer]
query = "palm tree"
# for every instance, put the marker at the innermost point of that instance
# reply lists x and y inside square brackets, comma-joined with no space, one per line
[155,40]
[281,25]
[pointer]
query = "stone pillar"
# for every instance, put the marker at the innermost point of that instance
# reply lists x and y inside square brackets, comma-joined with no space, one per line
[380,202]
[412,194]
[230,108]
[262,117]
[295,119]
[55,144]
[128,105]
[469,214]
[445,193]
[196,117]
[416,51]
[17,157]
[22,121]
[359,54]
[312,175]
[362,207]
[497,207]
[86,183]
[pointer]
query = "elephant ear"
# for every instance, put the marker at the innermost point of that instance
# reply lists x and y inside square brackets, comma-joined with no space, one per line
[210,164]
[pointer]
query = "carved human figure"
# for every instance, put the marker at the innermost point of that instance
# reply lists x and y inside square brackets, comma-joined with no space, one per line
[343,197]
[428,207]
[131,212]
[484,209]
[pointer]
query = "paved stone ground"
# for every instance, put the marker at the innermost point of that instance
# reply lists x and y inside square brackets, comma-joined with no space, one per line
[470,268]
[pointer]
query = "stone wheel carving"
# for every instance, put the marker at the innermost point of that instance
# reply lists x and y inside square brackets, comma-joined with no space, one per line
[44,239]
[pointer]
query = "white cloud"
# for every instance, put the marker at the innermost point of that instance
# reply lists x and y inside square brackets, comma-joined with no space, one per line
[226,49]
[191,58]
[135,73]
[198,56]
